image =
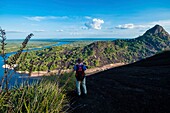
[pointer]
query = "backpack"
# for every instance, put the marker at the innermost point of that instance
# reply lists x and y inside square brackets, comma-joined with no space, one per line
[80,72]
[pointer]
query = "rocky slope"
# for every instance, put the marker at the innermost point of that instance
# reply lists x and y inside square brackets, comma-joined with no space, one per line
[135,88]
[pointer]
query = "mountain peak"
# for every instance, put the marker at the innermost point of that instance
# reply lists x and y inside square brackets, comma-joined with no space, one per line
[156,30]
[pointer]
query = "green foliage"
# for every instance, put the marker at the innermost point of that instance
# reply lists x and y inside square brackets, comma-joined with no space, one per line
[14,45]
[46,95]
[39,97]
[96,63]
[98,53]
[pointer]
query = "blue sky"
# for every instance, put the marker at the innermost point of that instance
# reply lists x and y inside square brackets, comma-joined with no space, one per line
[82,18]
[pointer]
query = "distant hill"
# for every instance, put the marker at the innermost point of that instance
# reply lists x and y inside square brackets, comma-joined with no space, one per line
[101,53]
[152,41]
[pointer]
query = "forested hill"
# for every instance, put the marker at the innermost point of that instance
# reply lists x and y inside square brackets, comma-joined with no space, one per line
[154,40]
[100,53]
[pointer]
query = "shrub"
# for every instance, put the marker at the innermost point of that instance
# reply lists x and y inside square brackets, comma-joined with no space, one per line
[39,97]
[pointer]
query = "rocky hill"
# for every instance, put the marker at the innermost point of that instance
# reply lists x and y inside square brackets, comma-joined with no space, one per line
[134,88]
[152,41]
[100,53]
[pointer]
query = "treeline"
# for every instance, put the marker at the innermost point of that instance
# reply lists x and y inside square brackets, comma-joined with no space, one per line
[98,53]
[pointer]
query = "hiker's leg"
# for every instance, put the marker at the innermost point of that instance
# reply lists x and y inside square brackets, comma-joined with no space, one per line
[84,85]
[78,87]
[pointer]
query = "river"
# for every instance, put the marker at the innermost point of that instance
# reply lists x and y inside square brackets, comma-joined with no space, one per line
[17,78]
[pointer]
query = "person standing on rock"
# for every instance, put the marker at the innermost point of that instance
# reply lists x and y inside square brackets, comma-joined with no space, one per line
[80,77]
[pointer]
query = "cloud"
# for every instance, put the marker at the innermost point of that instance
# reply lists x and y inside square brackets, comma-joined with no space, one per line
[60,30]
[84,28]
[125,26]
[165,23]
[130,26]
[39,31]
[88,17]
[15,31]
[40,18]
[94,24]
[36,18]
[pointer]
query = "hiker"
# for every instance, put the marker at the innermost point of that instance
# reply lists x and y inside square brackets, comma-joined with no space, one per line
[80,76]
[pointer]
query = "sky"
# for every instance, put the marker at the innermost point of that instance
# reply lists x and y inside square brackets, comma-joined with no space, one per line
[82,18]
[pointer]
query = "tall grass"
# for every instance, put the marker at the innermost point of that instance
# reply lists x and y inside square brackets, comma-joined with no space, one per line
[44,96]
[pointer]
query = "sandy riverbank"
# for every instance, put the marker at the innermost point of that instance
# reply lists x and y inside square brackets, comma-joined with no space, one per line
[88,71]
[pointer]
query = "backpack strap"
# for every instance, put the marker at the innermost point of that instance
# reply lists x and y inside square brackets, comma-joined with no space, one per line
[77,67]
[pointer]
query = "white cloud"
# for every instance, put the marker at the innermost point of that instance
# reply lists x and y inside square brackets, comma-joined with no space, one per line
[60,30]
[94,24]
[39,31]
[164,23]
[36,18]
[84,28]
[40,18]
[88,17]
[125,26]
[130,26]
[142,26]
[15,31]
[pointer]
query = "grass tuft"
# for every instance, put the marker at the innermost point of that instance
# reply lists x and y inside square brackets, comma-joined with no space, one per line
[44,96]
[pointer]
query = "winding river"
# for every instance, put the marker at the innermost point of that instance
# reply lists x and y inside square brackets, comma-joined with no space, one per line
[16,77]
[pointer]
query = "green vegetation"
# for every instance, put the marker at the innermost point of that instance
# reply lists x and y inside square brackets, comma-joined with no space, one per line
[79,43]
[99,53]
[13,45]
[49,58]
[47,95]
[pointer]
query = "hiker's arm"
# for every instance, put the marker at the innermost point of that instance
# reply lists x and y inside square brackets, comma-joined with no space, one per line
[84,67]
[74,68]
